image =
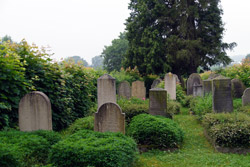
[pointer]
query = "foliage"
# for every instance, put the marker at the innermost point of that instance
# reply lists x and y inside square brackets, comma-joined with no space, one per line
[173,107]
[97,62]
[89,148]
[180,94]
[7,156]
[228,130]
[247,56]
[28,148]
[77,60]
[244,109]
[201,105]
[81,124]
[240,71]
[113,54]
[177,36]
[205,75]
[148,80]
[51,136]
[237,103]
[6,38]
[155,131]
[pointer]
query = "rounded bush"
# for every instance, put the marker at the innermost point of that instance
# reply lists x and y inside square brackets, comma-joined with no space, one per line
[7,156]
[155,131]
[86,123]
[89,148]
[51,136]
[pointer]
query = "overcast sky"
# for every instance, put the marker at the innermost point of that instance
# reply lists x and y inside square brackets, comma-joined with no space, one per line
[83,28]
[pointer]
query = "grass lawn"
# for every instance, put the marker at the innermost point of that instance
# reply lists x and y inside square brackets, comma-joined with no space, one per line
[195,151]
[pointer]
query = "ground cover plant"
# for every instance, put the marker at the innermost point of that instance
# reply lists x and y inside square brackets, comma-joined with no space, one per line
[89,148]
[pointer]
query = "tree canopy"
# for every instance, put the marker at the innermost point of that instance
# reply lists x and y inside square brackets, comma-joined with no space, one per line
[97,62]
[177,36]
[77,59]
[114,54]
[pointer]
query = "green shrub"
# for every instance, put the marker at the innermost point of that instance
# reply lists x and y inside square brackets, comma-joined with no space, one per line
[245,109]
[180,94]
[8,156]
[186,101]
[51,136]
[86,123]
[30,149]
[133,110]
[228,129]
[155,131]
[173,107]
[201,105]
[89,148]
[237,103]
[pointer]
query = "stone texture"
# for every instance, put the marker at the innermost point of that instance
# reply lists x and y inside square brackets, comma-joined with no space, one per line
[207,86]
[170,85]
[222,96]
[138,90]
[124,90]
[109,117]
[35,112]
[246,97]
[106,89]
[155,83]
[193,79]
[197,90]
[213,75]
[237,88]
[158,102]
[177,79]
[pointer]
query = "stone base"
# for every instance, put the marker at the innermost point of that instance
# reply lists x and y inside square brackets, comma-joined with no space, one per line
[220,149]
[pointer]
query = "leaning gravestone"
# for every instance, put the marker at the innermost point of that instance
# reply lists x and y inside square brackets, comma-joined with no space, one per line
[246,97]
[197,90]
[124,90]
[138,90]
[237,88]
[222,96]
[158,101]
[106,89]
[193,79]
[207,86]
[109,117]
[34,112]
[155,83]
[170,85]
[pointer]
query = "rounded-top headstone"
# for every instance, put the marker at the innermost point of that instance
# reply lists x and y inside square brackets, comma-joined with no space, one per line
[246,97]
[193,79]
[109,117]
[237,88]
[106,89]
[155,83]
[35,112]
[124,89]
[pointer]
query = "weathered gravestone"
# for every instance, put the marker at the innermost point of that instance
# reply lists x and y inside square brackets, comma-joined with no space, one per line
[155,83]
[106,89]
[170,85]
[192,80]
[177,79]
[124,89]
[34,112]
[109,117]
[237,88]
[138,90]
[207,86]
[197,90]
[246,97]
[158,101]
[213,75]
[222,96]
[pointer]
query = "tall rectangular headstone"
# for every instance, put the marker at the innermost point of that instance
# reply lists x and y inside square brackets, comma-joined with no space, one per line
[237,88]
[106,89]
[246,97]
[138,90]
[170,85]
[158,101]
[109,117]
[222,96]
[124,90]
[34,112]
[207,86]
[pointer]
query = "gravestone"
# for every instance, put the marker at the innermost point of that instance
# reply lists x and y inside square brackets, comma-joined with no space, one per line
[155,83]
[193,79]
[246,97]
[237,88]
[222,95]
[34,112]
[177,79]
[138,90]
[197,90]
[158,101]
[170,85]
[207,86]
[109,117]
[124,89]
[213,75]
[106,89]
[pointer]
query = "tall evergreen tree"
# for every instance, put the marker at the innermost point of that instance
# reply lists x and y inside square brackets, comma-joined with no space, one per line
[175,35]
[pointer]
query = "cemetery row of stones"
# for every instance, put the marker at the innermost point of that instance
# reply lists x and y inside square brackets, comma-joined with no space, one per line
[84,147]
